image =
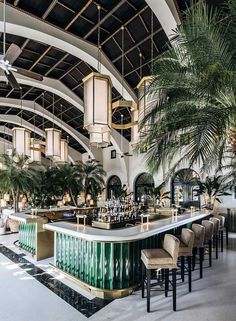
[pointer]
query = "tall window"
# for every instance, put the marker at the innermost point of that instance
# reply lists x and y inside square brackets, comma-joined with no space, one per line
[143,183]
[113,186]
[184,188]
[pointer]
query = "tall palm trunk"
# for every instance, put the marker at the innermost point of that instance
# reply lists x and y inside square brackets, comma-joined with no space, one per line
[72,197]
[15,196]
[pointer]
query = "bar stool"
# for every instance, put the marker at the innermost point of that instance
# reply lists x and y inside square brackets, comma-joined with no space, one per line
[221,230]
[165,258]
[199,235]
[209,228]
[216,229]
[186,250]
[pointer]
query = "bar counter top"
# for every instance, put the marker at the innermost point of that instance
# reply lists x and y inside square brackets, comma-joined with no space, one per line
[128,234]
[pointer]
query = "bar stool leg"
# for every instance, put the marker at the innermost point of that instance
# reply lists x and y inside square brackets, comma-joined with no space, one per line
[166,282]
[227,236]
[216,244]
[194,258]
[182,268]
[148,288]
[222,240]
[174,288]
[143,279]
[189,273]
[201,253]
[210,252]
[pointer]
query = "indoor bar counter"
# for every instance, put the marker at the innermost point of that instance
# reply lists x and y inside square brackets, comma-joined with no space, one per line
[33,238]
[107,262]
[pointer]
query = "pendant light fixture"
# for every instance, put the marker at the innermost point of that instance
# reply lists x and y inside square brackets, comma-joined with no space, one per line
[122,103]
[53,139]
[64,146]
[97,102]
[21,136]
[36,155]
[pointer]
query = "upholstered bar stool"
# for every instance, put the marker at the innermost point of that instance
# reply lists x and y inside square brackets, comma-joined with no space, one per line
[216,229]
[165,258]
[198,244]
[209,229]
[221,231]
[186,250]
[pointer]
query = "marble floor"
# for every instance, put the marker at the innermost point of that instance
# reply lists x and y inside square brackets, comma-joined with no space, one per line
[32,291]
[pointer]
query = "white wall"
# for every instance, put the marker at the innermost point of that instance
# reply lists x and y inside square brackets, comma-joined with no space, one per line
[136,165]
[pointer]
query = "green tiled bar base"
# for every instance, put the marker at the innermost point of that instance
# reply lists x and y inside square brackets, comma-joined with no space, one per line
[27,237]
[104,265]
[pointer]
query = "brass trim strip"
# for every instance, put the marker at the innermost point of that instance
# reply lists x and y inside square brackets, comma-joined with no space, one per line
[100,293]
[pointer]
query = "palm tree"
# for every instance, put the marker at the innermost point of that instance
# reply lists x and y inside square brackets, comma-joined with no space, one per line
[92,176]
[68,179]
[194,81]
[17,176]
[212,188]
[158,194]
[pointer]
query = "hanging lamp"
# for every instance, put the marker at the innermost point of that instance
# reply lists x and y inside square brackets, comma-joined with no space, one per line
[97,102]
[21,137]
[35,146]
[64,151]
[64,146]
[53,140]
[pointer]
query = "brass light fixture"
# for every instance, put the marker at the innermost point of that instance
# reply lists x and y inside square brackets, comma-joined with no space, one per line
[97,102]
[21,136]
[53,140]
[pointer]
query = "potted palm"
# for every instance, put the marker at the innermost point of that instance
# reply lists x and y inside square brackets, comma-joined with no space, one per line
[159,195]
[18,178]
[92,176]
[212,189]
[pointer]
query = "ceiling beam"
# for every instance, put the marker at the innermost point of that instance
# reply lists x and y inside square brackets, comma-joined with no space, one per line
[78,14]
[25,25]
[110,13]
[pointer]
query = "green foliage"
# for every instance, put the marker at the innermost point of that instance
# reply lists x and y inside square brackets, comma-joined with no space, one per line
[194,85]
[122,192]
[158,194]
[212,188]
[92,177]
[69,179]
[17,176]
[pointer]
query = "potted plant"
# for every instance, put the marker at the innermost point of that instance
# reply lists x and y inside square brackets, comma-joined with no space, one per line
[212,189]
[18,176]
[92,176]
[159,195]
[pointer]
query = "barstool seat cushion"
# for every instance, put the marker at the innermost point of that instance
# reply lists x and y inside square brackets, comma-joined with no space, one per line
[184,250]
[157,258]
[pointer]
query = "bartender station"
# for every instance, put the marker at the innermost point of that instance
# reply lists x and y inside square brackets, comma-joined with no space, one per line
[100,248]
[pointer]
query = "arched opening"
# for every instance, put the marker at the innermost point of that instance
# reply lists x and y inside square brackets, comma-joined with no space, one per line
[143,183]
[184,188]
[113,186]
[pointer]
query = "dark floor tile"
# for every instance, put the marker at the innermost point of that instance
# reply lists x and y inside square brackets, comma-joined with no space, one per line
[76,300]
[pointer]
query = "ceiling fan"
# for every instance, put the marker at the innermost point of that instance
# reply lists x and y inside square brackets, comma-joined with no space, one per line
[9,57]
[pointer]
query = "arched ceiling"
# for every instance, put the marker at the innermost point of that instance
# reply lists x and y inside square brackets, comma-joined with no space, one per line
[79,19]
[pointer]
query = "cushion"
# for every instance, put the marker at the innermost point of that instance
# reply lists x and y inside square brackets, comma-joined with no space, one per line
[184,250]
[157,258]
